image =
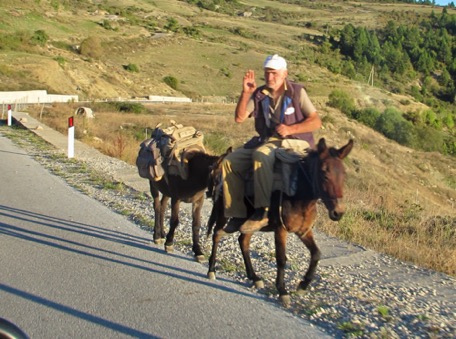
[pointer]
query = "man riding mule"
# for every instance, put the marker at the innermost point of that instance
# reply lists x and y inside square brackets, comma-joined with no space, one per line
[284,118]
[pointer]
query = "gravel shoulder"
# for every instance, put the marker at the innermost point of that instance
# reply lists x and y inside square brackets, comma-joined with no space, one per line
[357,292]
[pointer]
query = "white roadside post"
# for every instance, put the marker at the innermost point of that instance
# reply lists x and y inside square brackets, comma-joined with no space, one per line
[70,137]
[9,116]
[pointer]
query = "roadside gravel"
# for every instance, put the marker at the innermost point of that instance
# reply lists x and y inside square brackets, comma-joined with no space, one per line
[367,296]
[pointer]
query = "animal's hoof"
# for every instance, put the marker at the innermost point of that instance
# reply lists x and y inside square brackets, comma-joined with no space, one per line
[285,300]
[211,275]
[302,287]
[169,249]
[160,241]
[300,291]
[259,284]
[200,258]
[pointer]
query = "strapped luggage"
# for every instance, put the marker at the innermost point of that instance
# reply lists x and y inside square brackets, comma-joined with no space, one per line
[164,152]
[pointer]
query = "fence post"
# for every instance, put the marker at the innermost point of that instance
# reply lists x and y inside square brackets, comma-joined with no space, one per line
[9,116]
[71,137]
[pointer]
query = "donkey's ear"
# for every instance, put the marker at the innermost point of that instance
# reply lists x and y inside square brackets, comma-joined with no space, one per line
[186,156]
[321,147]
[345,150]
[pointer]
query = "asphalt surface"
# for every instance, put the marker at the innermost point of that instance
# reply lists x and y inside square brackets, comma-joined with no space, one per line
[70,267]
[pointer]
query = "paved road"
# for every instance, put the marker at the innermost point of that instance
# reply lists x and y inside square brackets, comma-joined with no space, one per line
[69,267]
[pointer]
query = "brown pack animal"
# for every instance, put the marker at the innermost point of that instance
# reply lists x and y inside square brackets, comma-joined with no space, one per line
[177,166]
[320,175]
[189,190]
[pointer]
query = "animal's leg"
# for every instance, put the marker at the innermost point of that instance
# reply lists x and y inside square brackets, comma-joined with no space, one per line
[217,217]
[196,227]
[163,206]
[315,254]
[280,237]
[173,223]
[216,237]
[159,233]
[244,243]
[212,220]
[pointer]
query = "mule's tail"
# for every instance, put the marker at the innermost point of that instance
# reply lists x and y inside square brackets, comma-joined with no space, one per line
[212,220]
[217,217]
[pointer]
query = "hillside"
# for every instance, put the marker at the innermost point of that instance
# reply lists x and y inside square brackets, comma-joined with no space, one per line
[210,61]
[207,60]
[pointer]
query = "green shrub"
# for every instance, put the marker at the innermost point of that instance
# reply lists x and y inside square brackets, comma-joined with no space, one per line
[225,71]
[129,107]
[348,69]
[429,139]
[431,119]
[171,81]
[416,117]
[450,146]
[405,102]
[91,47]
[39,37]
[106,24]
[392,125]
[191,31]
[172,25]
[131,68]
[300,77]
[60,60]
[448,120]
[367,116]
[341,100]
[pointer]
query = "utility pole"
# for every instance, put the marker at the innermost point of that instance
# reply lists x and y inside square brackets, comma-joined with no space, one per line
[370,81]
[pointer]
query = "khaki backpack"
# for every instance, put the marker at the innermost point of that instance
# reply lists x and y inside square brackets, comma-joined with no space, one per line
[164,152]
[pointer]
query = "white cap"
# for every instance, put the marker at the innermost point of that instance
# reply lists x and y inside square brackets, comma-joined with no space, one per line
[275,62]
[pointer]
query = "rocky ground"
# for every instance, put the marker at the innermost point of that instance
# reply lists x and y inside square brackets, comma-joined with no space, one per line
[374,296]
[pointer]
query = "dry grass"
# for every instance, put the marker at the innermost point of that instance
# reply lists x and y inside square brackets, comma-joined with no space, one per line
[399,201]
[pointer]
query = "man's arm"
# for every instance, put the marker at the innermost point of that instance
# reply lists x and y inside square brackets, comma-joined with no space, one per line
[248,87]
[310,124]
[241,113]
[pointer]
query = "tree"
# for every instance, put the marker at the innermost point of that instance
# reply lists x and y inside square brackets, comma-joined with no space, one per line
[361,43]
[394,58]
[425,63]
[390,33]
[347,40]
[444,52]
[374,51]
[412,43]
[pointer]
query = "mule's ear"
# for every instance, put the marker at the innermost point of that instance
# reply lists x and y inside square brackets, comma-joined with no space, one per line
[321,145]
[186,156]
[345,150]
[229,150]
